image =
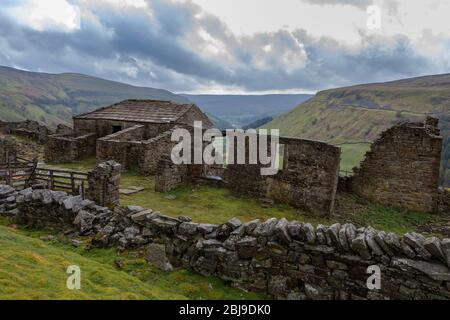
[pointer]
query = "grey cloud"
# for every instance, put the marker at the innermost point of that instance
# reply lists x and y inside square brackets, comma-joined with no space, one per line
[164,48]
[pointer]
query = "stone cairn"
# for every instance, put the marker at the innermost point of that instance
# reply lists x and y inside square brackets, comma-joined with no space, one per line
[104,183]
[284,259]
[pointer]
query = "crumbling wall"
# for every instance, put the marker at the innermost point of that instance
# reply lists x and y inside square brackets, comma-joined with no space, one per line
[8,150]
[283,259]
[444,201]
[152,150]
[402,167]
[64,130]
[104,184]
[124,147]
[66,148]
[104,128]
[29,128]
[307,180]
[169,175]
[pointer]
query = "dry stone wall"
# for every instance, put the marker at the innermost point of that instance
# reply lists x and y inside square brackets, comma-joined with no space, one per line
[152,150]
[65,148]
[284,259]
[308,178]
[402,167]
[169,175]
[104,183]
[124,147]
[29,128]
[130,148]
[444,201]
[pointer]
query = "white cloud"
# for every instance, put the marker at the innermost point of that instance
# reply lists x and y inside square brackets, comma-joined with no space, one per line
[47,14]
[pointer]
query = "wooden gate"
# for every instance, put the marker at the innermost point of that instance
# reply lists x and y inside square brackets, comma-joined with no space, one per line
[17,174]
[73,182]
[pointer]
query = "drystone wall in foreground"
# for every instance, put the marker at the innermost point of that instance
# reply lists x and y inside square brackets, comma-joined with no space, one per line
[283,259]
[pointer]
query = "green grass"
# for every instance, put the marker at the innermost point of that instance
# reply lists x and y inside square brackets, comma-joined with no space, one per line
[352,154]
[33,269]
[215,205]
[350,208]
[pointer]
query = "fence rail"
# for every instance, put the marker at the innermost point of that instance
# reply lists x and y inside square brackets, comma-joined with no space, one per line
[75,182]
[22,172]
[17,174]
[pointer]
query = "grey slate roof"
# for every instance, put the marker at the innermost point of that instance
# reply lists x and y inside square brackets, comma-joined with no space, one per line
[152,111]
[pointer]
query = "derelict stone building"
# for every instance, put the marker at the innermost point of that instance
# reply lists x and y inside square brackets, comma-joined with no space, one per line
[132,132]
[156,117]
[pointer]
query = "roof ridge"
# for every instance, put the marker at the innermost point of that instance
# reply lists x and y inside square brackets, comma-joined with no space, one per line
[159,111]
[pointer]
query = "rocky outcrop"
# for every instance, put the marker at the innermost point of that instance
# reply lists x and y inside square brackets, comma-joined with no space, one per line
[286,260]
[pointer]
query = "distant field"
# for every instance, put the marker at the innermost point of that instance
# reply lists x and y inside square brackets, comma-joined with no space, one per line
[352,155]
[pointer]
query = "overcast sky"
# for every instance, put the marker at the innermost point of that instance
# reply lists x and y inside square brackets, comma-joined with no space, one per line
[228,46]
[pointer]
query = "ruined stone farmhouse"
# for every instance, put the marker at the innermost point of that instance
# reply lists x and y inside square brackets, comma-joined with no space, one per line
[401,170]
[133,132]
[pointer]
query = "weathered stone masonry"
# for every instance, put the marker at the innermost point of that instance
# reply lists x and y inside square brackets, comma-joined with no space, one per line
[29,128]
[402,167]
[8,150]
[132,149]
[308,178]
[281,258]
[68,147]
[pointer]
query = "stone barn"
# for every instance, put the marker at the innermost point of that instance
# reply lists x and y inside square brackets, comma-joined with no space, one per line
[134,133]
[156,117]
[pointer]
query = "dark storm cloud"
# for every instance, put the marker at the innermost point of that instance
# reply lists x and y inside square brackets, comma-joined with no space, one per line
[179,47]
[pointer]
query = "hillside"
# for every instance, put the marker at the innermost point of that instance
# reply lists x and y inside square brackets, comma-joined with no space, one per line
[241,110]
[54,98]
[359,113]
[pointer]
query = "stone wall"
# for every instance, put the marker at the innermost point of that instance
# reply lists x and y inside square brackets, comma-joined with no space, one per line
[29,128]
[307,180]
[63,129]
[169,176]
[104,183]
[402,167]
[130,148]
[124,147]
[8,149]
[104,128]
[444,201]
[66,148]
[152,150]
[280,258]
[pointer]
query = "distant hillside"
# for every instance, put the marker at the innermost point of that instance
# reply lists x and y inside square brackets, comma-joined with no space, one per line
[258,123]
[219,123]
[54,98]
[241,110]
[360,113]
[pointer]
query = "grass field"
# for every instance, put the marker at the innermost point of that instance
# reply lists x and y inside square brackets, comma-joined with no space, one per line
[214,205]
[352,154]
[34,269]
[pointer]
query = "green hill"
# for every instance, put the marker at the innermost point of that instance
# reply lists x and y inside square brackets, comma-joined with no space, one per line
[358,114]
[53,98]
